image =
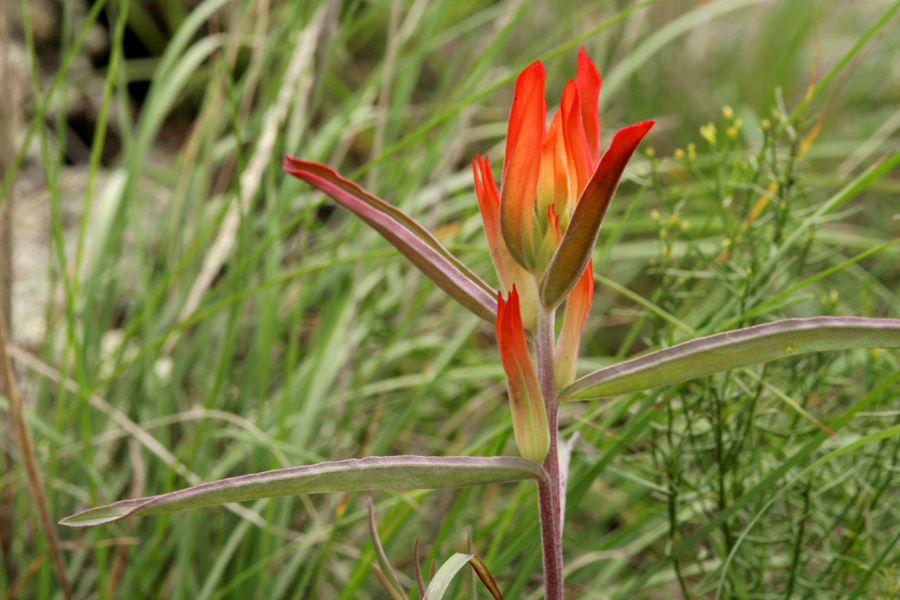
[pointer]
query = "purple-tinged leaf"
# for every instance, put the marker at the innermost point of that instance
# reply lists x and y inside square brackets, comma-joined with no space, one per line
[577,245]
[441,580]
[353,475]
[409,237]
[733,350]
[386,583]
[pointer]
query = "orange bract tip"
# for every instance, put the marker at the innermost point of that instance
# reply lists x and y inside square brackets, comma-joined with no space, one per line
[489,205]
[589,84]
[577,150]
[521,163]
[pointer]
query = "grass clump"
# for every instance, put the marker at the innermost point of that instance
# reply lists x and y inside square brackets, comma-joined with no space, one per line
[211,317]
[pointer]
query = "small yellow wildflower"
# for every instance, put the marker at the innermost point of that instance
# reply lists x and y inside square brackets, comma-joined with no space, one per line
[708,133]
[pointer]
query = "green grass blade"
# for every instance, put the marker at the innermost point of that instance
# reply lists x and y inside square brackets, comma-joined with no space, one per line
[763,487]
[451,567]
[844,449]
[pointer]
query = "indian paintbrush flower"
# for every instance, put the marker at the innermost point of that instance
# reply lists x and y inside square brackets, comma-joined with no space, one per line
[543,222]
[541,226]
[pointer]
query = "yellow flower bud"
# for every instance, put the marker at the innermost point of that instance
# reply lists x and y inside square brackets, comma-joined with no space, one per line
[708,133]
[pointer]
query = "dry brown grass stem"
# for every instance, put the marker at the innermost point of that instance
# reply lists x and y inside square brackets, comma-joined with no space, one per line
[29,461]
[8,117]
[7,128]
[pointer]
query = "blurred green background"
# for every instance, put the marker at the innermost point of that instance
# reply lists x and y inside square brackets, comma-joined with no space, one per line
[183,311]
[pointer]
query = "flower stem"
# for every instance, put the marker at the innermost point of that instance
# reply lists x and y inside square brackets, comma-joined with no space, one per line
[549,489]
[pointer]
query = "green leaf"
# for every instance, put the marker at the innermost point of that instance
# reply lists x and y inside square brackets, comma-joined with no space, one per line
[448,571]
[373,473]
[735,349]
[409,237]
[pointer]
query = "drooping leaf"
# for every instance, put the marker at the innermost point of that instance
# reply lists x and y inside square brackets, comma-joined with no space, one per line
[373,473]
[735,349]
[577,244]
[409,237]
[451,567]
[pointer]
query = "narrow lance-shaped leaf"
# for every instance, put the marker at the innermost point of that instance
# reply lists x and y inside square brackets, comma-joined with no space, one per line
[577,244]
[373,473]
[733,350]
[409,237]
[441,580]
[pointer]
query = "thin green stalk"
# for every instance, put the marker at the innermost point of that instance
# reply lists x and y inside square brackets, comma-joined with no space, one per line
[548,490]
[100,134]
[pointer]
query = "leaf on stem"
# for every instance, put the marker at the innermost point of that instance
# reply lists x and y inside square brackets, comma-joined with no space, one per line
[448,571]
[409,237]
[355,474]
[733,350]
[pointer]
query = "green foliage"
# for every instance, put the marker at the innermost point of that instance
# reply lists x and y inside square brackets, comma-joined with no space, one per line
[316,341]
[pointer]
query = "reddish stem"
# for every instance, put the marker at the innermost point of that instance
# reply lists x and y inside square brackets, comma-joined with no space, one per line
[549,490]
